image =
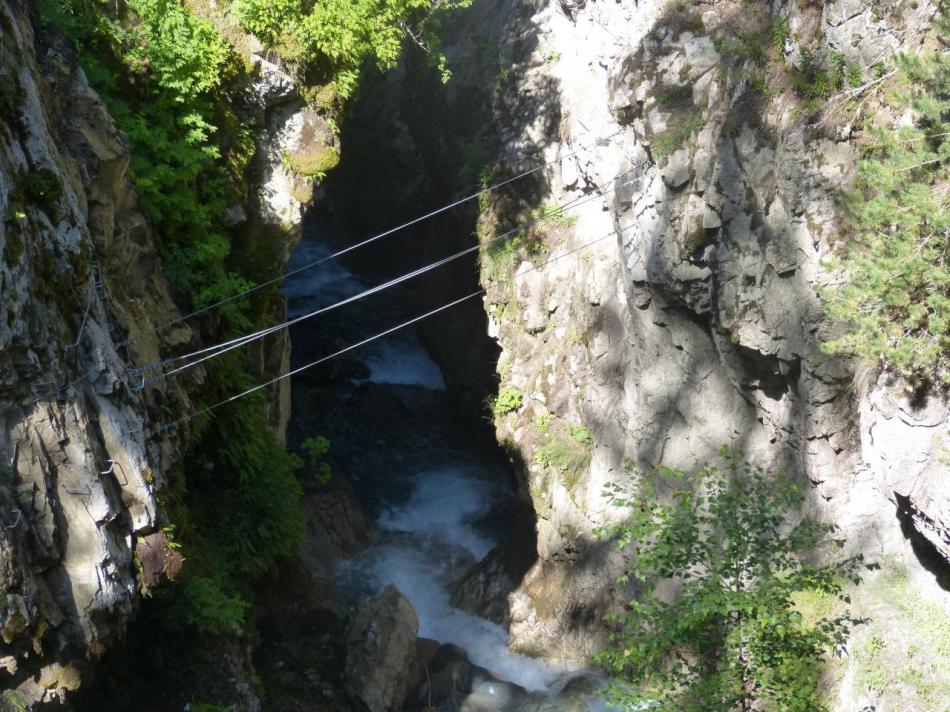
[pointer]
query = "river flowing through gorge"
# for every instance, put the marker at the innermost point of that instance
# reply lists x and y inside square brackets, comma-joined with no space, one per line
[437,489]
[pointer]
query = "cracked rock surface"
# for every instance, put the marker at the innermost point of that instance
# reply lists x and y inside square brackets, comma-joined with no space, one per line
[79,275]
[699,322]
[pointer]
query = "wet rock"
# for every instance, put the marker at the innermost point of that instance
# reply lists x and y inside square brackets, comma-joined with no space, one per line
[452,683]
[486,586]
[380,648]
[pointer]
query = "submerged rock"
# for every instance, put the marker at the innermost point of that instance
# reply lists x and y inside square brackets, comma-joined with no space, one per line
[380,649]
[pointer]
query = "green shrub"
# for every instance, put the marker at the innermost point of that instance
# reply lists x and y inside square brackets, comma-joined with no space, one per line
[896,301]
[543,422]
[731,639]
[315,449]
[581,434]
[509,399]
[813,80]
[205,605]
[16,700]
[182,53]
[497,259]
[779,34]
[268,19]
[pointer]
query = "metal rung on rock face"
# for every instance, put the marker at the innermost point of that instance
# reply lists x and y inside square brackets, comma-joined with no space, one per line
[111,470]
[76,491]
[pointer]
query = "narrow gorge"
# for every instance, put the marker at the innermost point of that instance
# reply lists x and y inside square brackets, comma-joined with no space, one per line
[366,355]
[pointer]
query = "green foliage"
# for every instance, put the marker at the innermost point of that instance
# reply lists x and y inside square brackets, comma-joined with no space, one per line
[251,502]
[484,182]
[779,34]
[315,450]
[343,34]
[184,54]
[502,79]
[871,674]
[160,71]
[896,302]
[731,638]
[553,214]
[497,258]
[813,80]
[238,511]
[743,45]
[267,19]
[509,399]
[205,605]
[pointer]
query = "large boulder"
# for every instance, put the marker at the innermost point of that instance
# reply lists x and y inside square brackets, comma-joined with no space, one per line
[380,650]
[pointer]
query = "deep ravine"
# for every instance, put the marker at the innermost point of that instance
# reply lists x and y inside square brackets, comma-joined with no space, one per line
[435,485]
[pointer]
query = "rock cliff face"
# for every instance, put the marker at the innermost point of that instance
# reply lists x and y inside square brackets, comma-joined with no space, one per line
[79,276]
[82,288]
[685,313]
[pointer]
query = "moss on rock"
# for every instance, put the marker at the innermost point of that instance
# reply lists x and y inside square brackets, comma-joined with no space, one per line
[314,161]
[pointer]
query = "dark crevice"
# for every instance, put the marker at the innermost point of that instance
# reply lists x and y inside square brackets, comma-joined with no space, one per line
[928,555]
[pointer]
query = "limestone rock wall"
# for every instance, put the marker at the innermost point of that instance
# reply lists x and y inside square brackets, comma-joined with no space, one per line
[79,471]
[682,312]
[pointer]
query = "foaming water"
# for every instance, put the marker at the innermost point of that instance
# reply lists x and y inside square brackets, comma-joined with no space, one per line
[420,577]
[316,286]
[442,505]
[438,519]
[403,361]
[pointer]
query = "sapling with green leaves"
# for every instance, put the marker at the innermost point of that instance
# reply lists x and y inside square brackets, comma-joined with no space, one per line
[720,553]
